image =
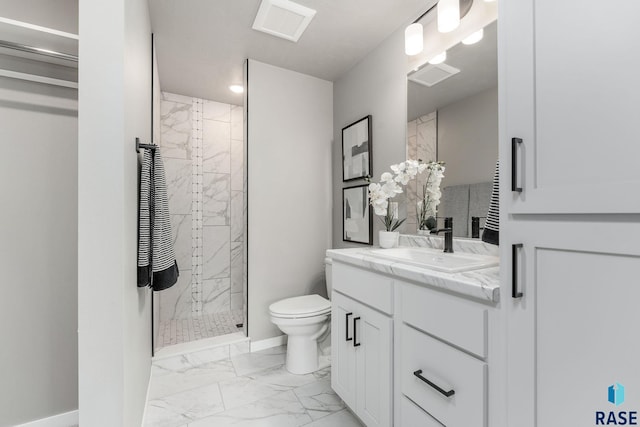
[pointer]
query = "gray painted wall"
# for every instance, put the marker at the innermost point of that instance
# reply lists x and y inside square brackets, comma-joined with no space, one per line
[468,138]
[113,314]
[289,188]
[376,86]
[38,251]
[58,14]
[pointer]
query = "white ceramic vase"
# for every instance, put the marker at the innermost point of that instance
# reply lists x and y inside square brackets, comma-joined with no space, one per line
[388,239]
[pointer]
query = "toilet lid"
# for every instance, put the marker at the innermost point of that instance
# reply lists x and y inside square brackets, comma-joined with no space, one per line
[304,306]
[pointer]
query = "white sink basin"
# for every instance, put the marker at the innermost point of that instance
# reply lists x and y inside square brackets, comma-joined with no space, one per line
[436,259]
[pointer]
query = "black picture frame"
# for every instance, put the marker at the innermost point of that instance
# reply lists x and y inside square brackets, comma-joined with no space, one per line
[356,150]
[357,222]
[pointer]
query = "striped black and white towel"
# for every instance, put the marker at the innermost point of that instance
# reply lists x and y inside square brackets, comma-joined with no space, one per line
[491,233]
[157,266]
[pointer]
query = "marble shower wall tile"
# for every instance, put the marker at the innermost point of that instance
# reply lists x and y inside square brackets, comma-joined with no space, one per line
[236,267]
[237,301]
[217,111]
[181,230]
[178,175]
[175,302]
[216,199]
[237,160]
[174,97]
[175,127]
[216,295]
[237,122]
[216,151]
[216,252]
[219,170]
[237,216]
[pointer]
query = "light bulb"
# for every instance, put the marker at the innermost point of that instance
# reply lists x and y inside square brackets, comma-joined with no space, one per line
[474,37]
[439,58]
[413,39]
[236,88]
[448,15]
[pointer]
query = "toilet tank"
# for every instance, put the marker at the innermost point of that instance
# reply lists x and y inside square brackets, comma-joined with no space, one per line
[327,275]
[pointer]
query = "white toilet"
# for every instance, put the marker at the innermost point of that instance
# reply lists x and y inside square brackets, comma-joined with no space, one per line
[304,319]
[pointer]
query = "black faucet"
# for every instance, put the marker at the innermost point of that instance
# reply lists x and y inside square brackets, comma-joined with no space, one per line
[448,234]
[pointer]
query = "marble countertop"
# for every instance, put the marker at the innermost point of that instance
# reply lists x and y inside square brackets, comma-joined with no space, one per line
[482,284]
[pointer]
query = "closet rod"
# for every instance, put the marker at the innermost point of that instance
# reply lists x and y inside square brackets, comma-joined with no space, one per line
[38,51]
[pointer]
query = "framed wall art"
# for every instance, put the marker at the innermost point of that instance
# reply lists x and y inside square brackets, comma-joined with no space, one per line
[357,222]
[356,150]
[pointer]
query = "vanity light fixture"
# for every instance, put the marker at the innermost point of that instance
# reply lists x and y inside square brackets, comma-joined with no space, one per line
[450,12]
[439,58]
[413,39]
[448,15]
[236,88]
[474,38]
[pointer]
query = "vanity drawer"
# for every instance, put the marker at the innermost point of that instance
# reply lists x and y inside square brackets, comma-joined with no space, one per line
[456,320]
[372,289]
[412,415]
[447,368]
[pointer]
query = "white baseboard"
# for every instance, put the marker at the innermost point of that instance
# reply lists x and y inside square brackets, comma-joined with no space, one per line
[68,419]
[268,343]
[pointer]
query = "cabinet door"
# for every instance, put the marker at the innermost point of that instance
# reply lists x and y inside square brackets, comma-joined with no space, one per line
[343,355]
[372,333]
[569,89]
[573,332]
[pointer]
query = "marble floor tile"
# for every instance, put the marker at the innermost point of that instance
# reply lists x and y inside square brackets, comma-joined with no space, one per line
[191,360]
[165,382]
[250,388]
[194,328]
[319,399]
[249,363]
[343,418]
[180,408]
[281,410]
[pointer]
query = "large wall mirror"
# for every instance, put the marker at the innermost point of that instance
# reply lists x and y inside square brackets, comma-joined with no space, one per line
[453,117]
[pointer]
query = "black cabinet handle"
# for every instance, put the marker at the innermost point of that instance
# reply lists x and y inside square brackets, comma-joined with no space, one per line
[449,393]
[346,326]
[355,334]
[514,271]
[514,164]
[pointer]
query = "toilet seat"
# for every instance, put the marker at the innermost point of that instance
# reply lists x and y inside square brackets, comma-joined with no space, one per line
[300,307]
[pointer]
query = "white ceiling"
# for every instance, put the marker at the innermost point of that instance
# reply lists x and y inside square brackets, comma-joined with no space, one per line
[202,44]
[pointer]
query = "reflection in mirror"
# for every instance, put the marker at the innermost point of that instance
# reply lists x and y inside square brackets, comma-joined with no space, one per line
[453,117]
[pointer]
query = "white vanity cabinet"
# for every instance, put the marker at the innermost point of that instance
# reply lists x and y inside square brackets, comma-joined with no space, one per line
[441,358]
[409,354]
[361,342]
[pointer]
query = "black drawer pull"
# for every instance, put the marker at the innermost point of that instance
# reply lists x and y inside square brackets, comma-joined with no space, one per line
[514,271]
[449,393]
[514,164]
[355,334]
[346,326]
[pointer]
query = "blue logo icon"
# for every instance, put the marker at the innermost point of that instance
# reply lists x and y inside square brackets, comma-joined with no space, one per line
[616,394]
